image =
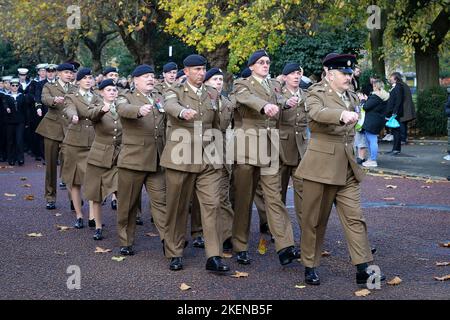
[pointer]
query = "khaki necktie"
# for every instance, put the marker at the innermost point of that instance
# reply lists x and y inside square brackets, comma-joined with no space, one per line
[265,85]
[88,98]
[66,87]
[112,109]
[199,92]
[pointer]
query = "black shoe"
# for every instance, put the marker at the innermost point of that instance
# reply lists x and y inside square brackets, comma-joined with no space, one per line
[91,223]
[98,234]
[38,159]
[243,257]
[126,251]
[359,161]
[79,224]
[287,255]
[198,242]
[311,277]
[139,221]
[373,250]
[71,206]
[11,163]
[176,264]
[62,186]
[362,274]
[114,204]
[227,245]
[264,228]
[151,220]
[21,163]
[50,205]
[216,264]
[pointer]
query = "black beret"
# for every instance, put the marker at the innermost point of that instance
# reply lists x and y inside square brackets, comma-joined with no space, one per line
[110,69]
[180,73]
[170,66]
[291,67]
[106,83]
[142,69]
[246,73]
[342,62]
[75,64]
[330,56]
[65,66]
[212,72]
[194,60]
[256,56]
[83,72]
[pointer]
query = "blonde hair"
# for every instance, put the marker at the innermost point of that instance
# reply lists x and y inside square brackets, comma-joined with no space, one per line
[378,84]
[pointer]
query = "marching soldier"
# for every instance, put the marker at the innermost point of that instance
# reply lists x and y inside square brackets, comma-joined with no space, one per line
[170,71]
[214,78]
[143,125]
[78,141]
[192,110]
[329,171]
[101,170]
[293,135]
[257,101]
[52,126]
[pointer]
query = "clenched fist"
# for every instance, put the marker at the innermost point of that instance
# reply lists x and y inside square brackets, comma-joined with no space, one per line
[349,117]
[145,109]
[271,110]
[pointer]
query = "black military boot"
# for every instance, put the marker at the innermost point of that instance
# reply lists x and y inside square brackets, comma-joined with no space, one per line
[311,277]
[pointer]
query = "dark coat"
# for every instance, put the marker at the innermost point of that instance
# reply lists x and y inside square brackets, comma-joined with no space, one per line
[18,109]
[409,111]
[375,109]
[395,102]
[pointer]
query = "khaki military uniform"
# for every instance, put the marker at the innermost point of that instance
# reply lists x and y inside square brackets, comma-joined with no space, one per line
[101,178]
[78,139]
[188,169]
[331,175]
[53,127]
[251,97]
[143,141]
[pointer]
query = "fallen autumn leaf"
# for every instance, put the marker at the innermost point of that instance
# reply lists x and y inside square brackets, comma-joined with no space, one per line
[184,287]
[10,194]
[118,259]
[444,244]
[390,186]
[262,246]
[29,197]
[389,199]
[395,281]
[442,264]
[300,286]
[26,185]
[239,274]
[326,253]
[151,234]
[101,250]
[63,228]
[34,235]
[444,278]
[23,178]
[362,293]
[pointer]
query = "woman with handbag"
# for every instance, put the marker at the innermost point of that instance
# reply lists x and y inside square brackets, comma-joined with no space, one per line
[375,111]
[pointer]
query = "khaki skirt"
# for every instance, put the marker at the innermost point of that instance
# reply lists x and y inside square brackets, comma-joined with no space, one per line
[100,182]
[74,165]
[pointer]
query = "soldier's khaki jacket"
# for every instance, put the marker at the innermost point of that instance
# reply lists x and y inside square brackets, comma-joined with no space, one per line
[192,136]
[108,137]
[330,150]
[251,97]
[81,134]
[143,138]
[293,125]
[54,124]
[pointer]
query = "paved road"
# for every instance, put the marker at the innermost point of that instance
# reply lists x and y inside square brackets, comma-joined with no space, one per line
[406,235]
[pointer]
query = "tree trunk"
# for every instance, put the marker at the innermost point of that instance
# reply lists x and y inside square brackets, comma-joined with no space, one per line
[219,58]
[376,43]
[427,67]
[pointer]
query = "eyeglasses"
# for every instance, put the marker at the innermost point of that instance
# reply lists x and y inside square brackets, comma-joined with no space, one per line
[263,62]
[14,85]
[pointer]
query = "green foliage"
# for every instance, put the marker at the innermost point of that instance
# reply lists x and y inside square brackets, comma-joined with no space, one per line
[309,50]
[431,118]
[8,61]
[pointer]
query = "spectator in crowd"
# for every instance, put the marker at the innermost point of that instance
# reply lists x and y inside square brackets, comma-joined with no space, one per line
[409,112]
[395,108]
[375,109]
